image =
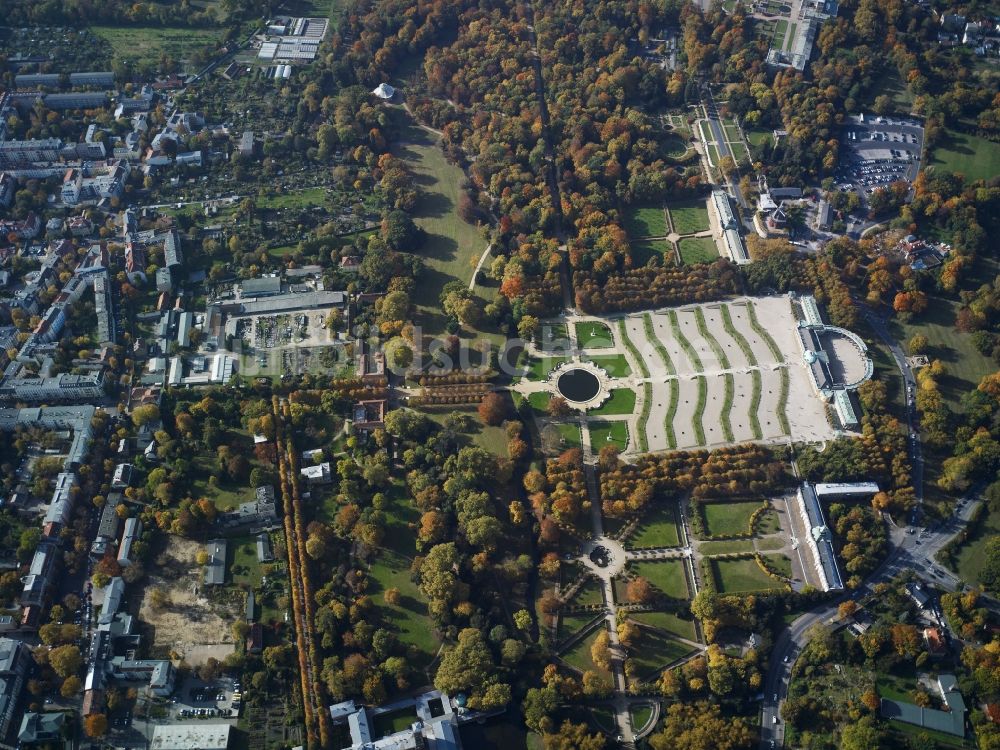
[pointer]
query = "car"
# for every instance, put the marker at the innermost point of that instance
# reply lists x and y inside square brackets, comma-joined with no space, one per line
[775,699]
[774,719]
[785,660]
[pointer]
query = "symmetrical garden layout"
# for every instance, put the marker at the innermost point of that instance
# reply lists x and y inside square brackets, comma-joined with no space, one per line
[700,375]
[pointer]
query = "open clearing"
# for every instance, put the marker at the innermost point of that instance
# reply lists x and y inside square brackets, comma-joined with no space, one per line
[667,575]
[698,250]
[735,576]
[452,245]
[189,624]
[975,157]
[645,221]
[658,529]
[728,519]
[132,43]
[689,217]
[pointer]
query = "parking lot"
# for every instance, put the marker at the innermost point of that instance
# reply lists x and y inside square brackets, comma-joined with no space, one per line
[199,700]
[879,151]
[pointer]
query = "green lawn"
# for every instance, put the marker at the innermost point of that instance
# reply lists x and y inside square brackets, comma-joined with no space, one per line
[655,651]
[735,576]
[889,83]
[689,217]
[139,43]
[768,543]
[778,40]
[409,620]
[570,624]
[393,721]
[608,433]
[493,439]
[540,368]
[615,364]
[726,546]
[781,563]
[643,251]
[244,568]
[791,36]
[667,621]
[674,146]
[553,335]
[726,519]
[647,405]
[975,157]
[697,418]
[667,575]
[622,401]
[593,335]
[658,529]
[645,221]
[639,716]
[453,246]
[570,434]
[970,558]
[306,198]
[758,137]
[225,494]
[589,593]
[965,365]
[698,250]
[539,401]
[579,657]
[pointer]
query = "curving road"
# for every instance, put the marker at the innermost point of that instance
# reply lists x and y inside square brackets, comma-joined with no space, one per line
[911,552]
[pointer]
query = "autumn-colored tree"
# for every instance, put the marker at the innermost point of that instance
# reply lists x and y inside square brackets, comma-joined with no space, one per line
[600,650]
[492,409]
[640,591]
[392,597]
[558,407]
[847,609]
[95,725]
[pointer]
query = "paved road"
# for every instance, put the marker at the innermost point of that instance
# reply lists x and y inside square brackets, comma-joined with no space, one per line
[911,552]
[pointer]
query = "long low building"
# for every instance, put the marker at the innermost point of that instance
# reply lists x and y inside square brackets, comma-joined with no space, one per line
[190,736]
[729,227]
[818,542]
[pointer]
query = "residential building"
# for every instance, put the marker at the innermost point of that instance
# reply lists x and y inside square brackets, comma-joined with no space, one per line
[172,255]
[256,515]
[8,186]
[114,593]
[133,529]
[15,665]
[215,568]
[122,477]
[18,153]
[319,474]
[264,551]
[107,530]
[41,729]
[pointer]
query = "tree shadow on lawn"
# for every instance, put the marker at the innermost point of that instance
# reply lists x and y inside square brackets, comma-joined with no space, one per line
[431,204]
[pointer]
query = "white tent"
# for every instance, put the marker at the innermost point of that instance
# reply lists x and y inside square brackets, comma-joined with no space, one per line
[384,91]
